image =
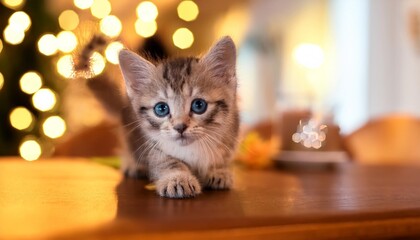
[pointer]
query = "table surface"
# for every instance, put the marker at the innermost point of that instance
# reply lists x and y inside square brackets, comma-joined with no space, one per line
[76,198]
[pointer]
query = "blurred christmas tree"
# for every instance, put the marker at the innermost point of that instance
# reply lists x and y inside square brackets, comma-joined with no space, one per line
[28,82]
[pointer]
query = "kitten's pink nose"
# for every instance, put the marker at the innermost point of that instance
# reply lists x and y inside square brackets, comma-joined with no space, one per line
[180,127]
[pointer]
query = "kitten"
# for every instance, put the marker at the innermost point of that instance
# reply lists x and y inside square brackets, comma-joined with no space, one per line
[179,118]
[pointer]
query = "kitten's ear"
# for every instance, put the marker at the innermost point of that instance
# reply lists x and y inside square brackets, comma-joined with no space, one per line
[136,70]
[220,61]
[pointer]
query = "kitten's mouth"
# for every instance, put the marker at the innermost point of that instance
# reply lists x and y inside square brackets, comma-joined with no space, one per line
[184,140]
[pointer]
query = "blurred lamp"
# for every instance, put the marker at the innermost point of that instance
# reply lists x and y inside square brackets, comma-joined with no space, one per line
[13,4]
[98,63]
[48,45]
[13,34]
[112,50]
[30,150]
[65,66]
[183,38]
[1,81]
[68,20]
[66,41]
[21,118]
[111,26]
[20,20]
[187,10]
[145,29]
[309,55]
[30,82]
[100,8]
[54,127]
[83,4]
[44,99]
[147,11]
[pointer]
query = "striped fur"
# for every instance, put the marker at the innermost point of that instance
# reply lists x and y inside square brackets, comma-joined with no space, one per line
[181,165]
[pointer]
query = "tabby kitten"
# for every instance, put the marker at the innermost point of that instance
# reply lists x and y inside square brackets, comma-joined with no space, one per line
[179,119]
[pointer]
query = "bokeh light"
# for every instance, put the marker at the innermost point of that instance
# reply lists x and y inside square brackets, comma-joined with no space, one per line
[20,20]
[83,4]
[65,66]
[54,127]
[145,29]
[1,81]
[21,118]
[183,38]
[48,45]
[13,34]
[111,26]
[67,41]
[147,11]
[187,10]
[30,150]
[44,99]
[68,20]
[30,82]
[112,50]
[98,63]
[100,8]
[309,55]
[13,4]
[1,46]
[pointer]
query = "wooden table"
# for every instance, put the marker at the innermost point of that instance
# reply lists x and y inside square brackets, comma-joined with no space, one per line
[76,199]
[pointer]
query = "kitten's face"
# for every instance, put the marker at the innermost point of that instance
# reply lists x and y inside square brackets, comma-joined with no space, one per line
[185,99]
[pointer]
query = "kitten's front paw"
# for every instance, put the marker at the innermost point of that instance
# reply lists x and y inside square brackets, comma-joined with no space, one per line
[219,179]
[178,185]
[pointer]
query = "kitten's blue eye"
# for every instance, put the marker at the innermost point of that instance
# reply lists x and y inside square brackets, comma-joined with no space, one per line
[161,109]
[198,106]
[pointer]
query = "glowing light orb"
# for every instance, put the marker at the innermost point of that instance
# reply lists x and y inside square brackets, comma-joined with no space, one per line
[44,99]
[1,45]
[21,118]
[20,20]
[147,11]
[1,81]
[100,8]
[30,150]
[54,127]
[67,41]
[68,20]
[187,10]
[83,4]
[111,26]
[98,63]
[309,55]
[183,38]
[65,66]
[13,34]
[13,4]
[48,44]
[145,29]
[30,82]
[112,50]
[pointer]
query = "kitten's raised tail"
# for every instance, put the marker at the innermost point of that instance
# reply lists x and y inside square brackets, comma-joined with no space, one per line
[107,90]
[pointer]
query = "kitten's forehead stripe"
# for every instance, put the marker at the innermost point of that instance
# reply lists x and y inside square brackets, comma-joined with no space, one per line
[176,72]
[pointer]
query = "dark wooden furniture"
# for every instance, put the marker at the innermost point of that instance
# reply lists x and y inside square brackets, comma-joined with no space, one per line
[76,199]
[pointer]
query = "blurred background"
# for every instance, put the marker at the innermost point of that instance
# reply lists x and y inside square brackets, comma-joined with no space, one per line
[317,63]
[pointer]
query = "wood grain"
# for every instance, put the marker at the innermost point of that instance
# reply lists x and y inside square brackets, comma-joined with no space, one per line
[74,198]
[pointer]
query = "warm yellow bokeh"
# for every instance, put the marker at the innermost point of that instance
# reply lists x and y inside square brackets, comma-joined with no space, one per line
[65,66]
[100,8]
[83,4]
[20,20]
[66,41]
[30,82]
[13,4]
[112,50]
[44,99]
[13,34]
[183,38]
[1,46]
[21,118]
[30,150]
[147,11]
[98,63]
[187,10]
[1,81]
[54,127]
[47,44]
[309,55]
[68,20]
[111,26]
[145,29]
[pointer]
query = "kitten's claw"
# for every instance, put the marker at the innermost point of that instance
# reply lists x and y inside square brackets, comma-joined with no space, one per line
[219,179]
[178,185]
